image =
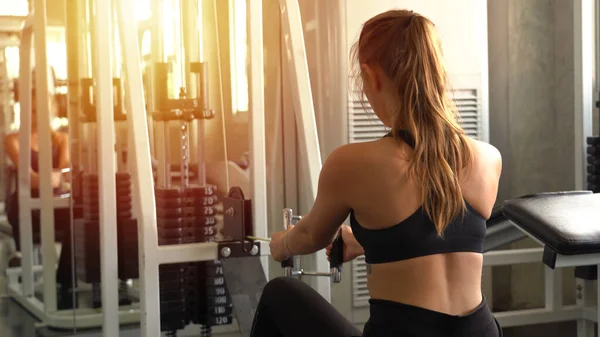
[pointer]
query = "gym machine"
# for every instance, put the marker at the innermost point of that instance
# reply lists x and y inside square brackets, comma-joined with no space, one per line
[152,254]
[193,292]
[21,279]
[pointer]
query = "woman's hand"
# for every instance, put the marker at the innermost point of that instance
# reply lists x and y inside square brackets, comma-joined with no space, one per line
[352,249]
[56,179]
[279,251]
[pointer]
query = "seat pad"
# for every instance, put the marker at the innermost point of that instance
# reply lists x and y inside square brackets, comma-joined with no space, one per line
[566,222]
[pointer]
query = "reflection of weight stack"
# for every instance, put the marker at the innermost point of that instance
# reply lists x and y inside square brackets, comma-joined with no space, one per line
[86,230]
[593,164]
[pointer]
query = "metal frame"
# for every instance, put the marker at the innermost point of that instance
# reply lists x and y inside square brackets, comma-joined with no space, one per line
[150,254]
[299,81]
[583,21]
[102,73]
[24,292]
[585,312]
[36,24]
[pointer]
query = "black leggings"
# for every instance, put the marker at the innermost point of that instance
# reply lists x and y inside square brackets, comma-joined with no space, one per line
[290,308]
[62,227]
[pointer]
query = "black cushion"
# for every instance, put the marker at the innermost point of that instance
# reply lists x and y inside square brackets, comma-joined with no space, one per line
[566,222]
[496,217]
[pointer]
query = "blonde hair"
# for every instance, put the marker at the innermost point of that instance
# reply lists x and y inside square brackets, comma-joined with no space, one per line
[406,46]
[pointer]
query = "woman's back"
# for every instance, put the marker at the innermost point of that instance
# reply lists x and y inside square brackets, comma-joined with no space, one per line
[385,200]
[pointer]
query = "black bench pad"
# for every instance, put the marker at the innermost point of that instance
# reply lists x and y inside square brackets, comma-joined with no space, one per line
[566,222]
[496,217]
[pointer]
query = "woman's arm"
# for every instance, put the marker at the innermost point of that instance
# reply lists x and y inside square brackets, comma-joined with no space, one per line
[11,146]
[319,227]
[64,158]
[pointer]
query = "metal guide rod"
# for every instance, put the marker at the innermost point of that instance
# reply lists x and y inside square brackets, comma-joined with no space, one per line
[102,73]
[180,7]
[45,156]
[24,177]
[157,56]
[142,172]
[258,167]
[185,155]
[305,116]
[166,163]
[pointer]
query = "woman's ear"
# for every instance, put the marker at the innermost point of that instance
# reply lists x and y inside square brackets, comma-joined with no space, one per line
[371,78]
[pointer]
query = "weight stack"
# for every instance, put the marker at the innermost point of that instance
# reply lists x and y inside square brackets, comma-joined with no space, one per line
[593,164]
[213,305]
[175,217]
[87,230]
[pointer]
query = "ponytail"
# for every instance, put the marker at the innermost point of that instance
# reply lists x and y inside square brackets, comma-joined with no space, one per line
[415,64]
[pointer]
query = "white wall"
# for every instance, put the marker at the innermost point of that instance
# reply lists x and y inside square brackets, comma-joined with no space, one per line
[462,25]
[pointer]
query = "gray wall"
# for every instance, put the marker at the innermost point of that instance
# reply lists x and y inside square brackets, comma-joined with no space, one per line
[531,123]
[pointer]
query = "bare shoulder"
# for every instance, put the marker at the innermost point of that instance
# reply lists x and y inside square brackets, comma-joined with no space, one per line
[343,157]
[486,155]
[345,163]
[353,154]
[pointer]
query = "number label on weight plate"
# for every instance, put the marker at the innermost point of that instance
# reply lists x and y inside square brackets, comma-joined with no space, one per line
[209,230]
[208,201]
[220,300]
[222,320]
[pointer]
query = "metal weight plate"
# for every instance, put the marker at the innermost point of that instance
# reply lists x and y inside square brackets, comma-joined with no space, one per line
[174,202]
[169,192]
[175,212]
[595,141]
[175,241]
[176,222]
[592,169]
[176,232]
[593,151]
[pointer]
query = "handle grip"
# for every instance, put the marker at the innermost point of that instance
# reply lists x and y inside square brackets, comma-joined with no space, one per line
[336,258]
[288,264]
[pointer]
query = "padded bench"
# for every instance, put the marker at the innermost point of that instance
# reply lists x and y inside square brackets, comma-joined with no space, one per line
[500,231]
[566,224]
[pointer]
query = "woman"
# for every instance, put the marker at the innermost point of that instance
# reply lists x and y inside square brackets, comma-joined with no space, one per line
[62,216]
[418,200]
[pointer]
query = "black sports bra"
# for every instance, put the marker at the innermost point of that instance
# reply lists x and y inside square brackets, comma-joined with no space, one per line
[416,236]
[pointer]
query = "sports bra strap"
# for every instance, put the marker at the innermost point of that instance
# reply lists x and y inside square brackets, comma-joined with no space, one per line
[405,136]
